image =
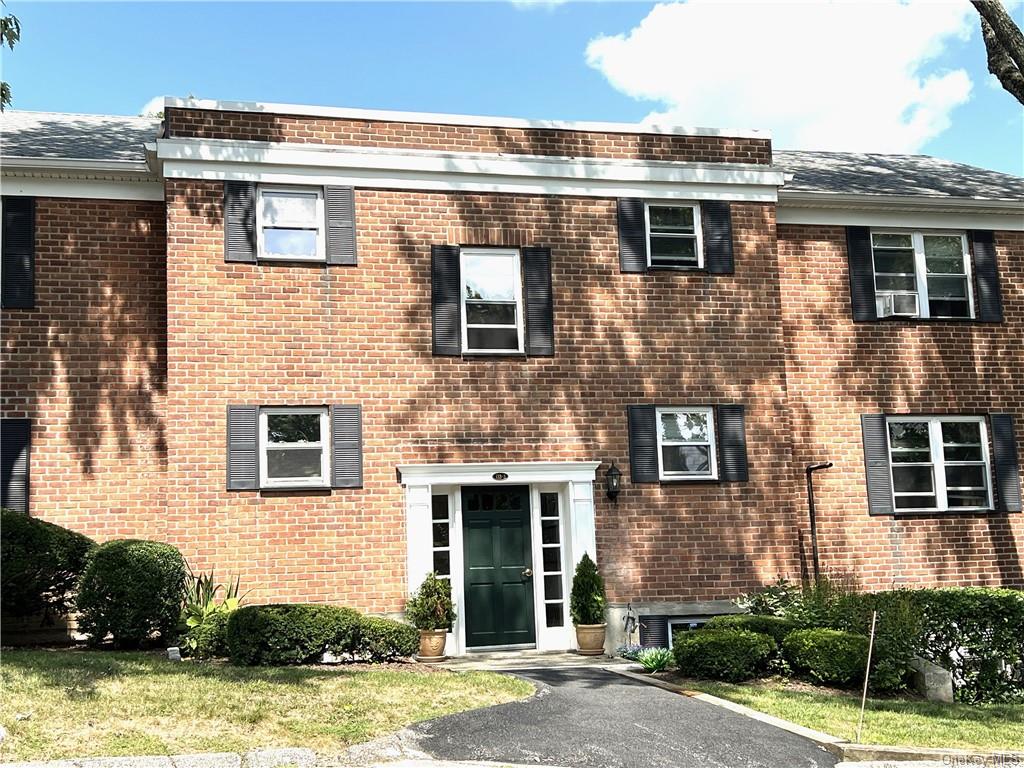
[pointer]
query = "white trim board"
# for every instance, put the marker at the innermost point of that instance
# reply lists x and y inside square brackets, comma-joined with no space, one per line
[98,189]
[519,473]
[954,218]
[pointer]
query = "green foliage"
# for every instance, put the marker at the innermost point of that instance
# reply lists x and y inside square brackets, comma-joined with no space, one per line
[205,614]
[10,33]
[431,606]
[382,639]
[587,601]
[722,654]
[775,627]
[42,564]
[209,639]
[773,600]
[289,634]
[654,659]
[130,589]
[827,655]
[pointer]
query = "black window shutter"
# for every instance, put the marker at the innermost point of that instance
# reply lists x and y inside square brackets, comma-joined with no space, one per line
[632,235]
[18,290]
[862,273]
[243,448]
[340,203]
[716,217]
[732,444]
[15,439]
[240,221]
[876,463]
[445,296]
[643,444]
[346,446]
[540,315]
[989,298]
[1007,463]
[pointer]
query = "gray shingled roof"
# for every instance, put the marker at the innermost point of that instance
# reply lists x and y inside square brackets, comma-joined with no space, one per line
[78,137]
[869,174]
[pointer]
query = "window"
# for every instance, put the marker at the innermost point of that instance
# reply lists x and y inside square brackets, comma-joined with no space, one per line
[290,224]
[686,444]
[293,447]
[939,464]
[441,522]
[674,236]
[920,274]
[551,560]
[492,301]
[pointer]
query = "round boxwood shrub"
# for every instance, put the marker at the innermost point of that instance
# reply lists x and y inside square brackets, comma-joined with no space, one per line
[42,564]
[384,639]
[774,626]
[209,638]
[290,633]
[130,589]
[827,655]
[722,654]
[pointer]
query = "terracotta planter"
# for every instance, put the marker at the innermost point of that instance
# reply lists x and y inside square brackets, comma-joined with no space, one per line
[432,644]
[590,639]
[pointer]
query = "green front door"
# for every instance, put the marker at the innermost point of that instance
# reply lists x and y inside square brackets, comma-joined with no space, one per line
[498,565]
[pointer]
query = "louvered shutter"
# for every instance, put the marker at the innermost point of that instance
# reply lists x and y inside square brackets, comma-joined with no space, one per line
[716,217]
[540,316]
[346,446]
[862,273]
[340,203]
[732,444]
[1006,463]
[876,463]
[643,444]
[243,448]
[18,253]
[632,235]
[240,221]
[989,298]
[445,295]
[15,440]
[654,631]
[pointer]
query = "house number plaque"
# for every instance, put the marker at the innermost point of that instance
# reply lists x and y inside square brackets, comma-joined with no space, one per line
[499,476]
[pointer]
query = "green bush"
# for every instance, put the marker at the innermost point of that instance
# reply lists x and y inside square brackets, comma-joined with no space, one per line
[654,659]
[42,564]
[722,654]
[209,638]
[431,606]
[204,613]
[775,627]
[773,600]
[382,639]
[290,634]
[587,599]
[827,655]
[131,589]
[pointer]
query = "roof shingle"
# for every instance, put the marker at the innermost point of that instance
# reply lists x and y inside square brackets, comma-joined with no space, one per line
[66,136]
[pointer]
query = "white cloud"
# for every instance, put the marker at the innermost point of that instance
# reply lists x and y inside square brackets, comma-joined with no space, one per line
[152,107]
[839,76]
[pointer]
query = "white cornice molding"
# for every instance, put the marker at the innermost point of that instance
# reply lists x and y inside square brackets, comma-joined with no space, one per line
[519,472]
[100,185]
[844,200]
[72,164]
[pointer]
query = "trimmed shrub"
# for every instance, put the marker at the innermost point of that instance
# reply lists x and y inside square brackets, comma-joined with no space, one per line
[774,626]
[827,655]
[209,638]
[587,600]
[289,634]
[431,606]
[382,639]
[722,654]
[131,589]
[774,600]
[42,564]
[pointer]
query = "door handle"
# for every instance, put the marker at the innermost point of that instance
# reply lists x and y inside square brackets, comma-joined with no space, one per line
[527,573]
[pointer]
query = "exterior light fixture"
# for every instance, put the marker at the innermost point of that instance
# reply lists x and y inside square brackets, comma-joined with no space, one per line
[613,481]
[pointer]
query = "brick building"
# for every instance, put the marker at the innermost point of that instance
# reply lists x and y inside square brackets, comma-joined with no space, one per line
[330,350]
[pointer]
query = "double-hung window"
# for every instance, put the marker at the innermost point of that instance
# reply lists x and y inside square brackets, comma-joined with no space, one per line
[674,236]
[492,300]
[922,274]
[290,223]
[939,463]
[294,446]
[686,444]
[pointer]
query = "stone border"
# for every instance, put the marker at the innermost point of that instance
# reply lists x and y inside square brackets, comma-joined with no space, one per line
[254,758]
[843,749]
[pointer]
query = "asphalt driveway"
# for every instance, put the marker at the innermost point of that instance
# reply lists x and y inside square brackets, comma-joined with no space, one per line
[590,718]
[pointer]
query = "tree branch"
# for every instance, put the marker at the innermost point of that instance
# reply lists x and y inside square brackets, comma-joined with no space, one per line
[1004,29]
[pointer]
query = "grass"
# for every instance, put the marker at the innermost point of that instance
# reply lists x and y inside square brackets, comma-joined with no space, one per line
[64,704]
[906,722]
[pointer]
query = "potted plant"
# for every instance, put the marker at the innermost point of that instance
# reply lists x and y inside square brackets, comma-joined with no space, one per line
[586,604]
[431,611]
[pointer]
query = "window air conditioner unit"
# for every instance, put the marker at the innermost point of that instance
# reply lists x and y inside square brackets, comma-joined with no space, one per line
[897,305]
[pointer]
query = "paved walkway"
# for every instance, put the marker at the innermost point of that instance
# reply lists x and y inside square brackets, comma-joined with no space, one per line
[585,717]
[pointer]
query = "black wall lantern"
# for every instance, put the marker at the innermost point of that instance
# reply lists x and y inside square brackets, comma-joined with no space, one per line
[613,481]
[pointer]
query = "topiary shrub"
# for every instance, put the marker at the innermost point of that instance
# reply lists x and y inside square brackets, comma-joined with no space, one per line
[774,626]
[382,639]
[827,655]
[131,589]
[587,600]
[290,634]
[722,654]
[431,607]
[42,564]
[209,638]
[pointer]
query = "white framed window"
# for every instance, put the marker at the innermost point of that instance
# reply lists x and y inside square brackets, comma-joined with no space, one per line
[674,237]
[492,300]
[924,274]
[290,223]
[294,447]
[939,463]
[551,559]
[441,534]
[686,444]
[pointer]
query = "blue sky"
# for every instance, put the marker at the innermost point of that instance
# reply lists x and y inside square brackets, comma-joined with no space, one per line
[870,77]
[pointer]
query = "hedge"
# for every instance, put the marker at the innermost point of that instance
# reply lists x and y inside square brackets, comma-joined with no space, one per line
[722,654]
[382,639]
[289,634]
[774,626]
[827,655]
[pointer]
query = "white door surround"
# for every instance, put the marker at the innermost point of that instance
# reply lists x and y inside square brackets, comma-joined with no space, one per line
[572,481]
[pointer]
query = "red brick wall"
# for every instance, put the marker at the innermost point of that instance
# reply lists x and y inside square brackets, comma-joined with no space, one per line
[88,366]
[838,369]
[530,141]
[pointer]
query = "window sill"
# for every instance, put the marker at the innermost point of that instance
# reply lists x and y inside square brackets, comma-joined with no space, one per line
[260,259]
[701,479]
[927,320]
[293,488]
[494,353]
[659,268]
[929,514]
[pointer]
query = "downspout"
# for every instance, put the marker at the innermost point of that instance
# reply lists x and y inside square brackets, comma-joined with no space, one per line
[810,470]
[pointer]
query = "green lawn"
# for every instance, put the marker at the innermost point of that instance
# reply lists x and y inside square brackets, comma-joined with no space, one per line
[912,722]
[64,704]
